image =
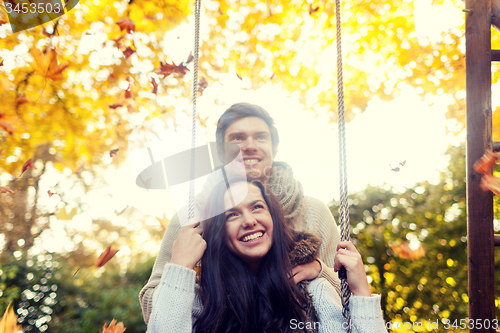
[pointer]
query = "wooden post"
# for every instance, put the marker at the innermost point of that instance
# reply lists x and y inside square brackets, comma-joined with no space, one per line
[479,204]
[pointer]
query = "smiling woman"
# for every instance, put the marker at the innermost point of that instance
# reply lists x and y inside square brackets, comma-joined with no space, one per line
[245,283]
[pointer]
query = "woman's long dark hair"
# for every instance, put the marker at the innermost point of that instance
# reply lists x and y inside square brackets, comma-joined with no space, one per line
[234,298]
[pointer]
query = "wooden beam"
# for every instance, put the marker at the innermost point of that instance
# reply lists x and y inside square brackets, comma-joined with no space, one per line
[497,240]
[495,55]
[480,239]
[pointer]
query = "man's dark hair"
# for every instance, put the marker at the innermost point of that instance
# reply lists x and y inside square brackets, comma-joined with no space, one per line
[242,110]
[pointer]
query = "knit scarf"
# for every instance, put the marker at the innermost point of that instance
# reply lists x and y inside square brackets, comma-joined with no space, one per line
[288,190]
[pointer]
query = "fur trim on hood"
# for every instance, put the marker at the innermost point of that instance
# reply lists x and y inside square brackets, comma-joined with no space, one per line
[306,250]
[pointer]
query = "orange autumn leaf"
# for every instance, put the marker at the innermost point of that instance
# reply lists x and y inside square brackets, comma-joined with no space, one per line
[404,251]
[45,64]
[491,183]
[6,126]
[126,24]
[1,63]
[114,106]
[163,221]
[105,256]
[113,327]
[166,69]
[50,193]
[486,163]
[6,122]
[128,94]
[8,324]
[312,10]
[5,190]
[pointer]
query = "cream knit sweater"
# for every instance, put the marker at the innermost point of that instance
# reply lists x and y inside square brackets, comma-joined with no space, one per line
[176,306]
[301,212]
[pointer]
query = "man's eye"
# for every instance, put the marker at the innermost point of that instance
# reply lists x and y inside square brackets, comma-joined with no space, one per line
[237,138]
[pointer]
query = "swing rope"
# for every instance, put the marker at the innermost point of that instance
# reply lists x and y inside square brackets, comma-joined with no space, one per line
[344,207]
[195,94]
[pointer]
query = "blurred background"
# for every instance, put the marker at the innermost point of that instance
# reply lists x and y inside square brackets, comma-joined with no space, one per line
[77,92]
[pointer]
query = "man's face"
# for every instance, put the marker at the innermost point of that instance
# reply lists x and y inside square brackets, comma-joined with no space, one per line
[253,137]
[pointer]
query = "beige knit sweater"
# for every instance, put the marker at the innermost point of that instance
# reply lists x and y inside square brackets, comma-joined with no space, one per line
[301,212]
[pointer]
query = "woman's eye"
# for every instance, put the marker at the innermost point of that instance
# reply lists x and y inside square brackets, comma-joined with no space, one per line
[228,216]
[258,207]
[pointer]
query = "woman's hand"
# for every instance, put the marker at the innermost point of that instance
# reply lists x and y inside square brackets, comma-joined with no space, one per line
[349,257]
[189,246]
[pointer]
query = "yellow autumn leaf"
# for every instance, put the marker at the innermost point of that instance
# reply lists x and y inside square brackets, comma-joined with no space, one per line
[9,322]
[45,64]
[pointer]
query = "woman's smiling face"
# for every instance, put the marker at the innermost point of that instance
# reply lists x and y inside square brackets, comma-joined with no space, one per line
[249,225]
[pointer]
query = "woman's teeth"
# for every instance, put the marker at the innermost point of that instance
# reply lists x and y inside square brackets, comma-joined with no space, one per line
[253,236]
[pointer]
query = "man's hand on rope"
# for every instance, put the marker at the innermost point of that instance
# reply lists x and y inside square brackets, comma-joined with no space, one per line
[189,246]
[308,271]
[349,257]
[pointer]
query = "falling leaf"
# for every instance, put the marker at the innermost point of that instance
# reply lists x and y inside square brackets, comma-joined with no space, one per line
[190,57]
[22,99]
[312,10]
[120,213]
[114,106]
[45,64]
[5,190]
[402,163]
[113,152]
[166,69]
[128,52]
[1,63]
[63,215]
[146,184]
[3,22]
[6,126]
[203,122]
[155,85]
[113,327]
[105,256]
[117,41]
[273,76]
[163,221]
[8,324]
[50,193]
[490,183]
[130,109]
[202,85]
[128,94]
[404,251]
[28,164]
[396,169]
[487,162]
[239,77]
[126,24]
